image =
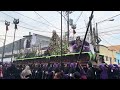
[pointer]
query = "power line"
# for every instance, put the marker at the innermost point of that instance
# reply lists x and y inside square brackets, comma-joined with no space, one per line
[108,18]
[101,21]
[20,21]
[46,20]
[110,31]
[47,31]
[34,29]
[112,36]
[105,31]
[25,23]
[62,15]
[35,20]
[39,21]
[106,41]
[109,27]
[79,16]
[104,28]
[1,39]
[11,36]
[2,21]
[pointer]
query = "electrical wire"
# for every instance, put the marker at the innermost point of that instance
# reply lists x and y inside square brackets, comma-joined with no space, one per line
[79,17]
[46,31]
[101,21]
[106,41]
[33,29]
[11,36]
[20,21]
[112,36]
[35,20]
[108,18]
[45,20]
[62,15]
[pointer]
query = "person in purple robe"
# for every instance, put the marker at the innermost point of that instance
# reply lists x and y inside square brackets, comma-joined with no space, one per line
[110,71]
[104,73]
[116,71]
[75,49]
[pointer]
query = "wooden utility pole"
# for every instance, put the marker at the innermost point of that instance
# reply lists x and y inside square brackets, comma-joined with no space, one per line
[68,27]
[91,32]
[68,23]
[61,37]
[97,45]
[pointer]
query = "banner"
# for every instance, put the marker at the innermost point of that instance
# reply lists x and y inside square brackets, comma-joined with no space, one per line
[33,40]
[27,43]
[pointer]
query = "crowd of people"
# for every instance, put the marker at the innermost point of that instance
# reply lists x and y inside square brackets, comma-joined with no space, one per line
[59,71]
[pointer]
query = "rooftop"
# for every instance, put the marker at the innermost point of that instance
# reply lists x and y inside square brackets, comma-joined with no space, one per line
[116,48]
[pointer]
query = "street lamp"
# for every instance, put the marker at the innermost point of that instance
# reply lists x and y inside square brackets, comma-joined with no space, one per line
[6,24]
[15,21]
[105,20]
[111,20]
[97,27]
[97,37]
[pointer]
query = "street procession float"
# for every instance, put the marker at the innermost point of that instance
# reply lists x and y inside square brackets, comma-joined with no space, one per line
[70,52]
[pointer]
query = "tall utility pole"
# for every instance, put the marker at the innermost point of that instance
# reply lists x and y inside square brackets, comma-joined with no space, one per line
[61,36]
[97,39]
[97,44]
[68,31]
[91,32]
[7,24]
[85,35]
[15,21]
[68,28]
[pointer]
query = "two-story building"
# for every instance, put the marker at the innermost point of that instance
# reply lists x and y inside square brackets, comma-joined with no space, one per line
[117,55]
[19,45]
[108,55]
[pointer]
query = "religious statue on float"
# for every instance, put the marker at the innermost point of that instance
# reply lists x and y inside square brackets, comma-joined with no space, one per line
[54,47]
[76,45]
[54,44]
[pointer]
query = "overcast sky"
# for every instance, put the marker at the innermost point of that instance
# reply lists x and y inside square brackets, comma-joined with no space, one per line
[43,27]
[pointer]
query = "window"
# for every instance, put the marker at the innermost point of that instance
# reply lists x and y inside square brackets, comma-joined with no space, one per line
[106,58]
[115,59]
[110,60]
